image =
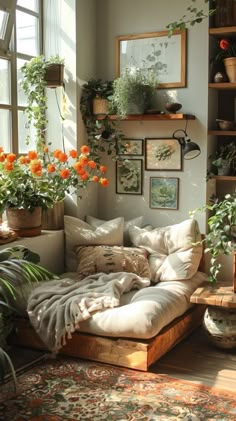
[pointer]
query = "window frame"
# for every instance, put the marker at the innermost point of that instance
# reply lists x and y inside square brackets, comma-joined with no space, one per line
[7,6]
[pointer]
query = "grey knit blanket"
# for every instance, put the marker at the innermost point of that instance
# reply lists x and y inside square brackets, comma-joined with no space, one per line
[56,308]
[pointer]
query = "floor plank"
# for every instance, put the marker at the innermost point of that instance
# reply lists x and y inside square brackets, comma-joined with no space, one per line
[197,360]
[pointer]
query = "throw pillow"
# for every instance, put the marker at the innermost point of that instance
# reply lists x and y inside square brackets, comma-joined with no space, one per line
[107,259]
[95,222]
[78,233]
[172,253]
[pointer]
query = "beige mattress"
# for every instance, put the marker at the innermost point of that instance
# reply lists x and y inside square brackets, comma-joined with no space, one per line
[142,314]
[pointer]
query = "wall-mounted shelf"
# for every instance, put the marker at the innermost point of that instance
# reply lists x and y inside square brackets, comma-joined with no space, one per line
[150,117]
[222,132]
[224,177]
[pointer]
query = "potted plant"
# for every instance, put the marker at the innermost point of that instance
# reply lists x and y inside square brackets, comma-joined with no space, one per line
[36,72]
[221,237]
[19,267]
[133,91]
[223,158]
[96,95]
[37,181]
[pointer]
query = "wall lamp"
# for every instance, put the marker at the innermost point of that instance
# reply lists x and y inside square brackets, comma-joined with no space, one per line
[190,149]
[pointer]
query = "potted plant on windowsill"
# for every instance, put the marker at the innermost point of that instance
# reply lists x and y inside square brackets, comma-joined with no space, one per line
[223,158]
[37,181]
[133,91]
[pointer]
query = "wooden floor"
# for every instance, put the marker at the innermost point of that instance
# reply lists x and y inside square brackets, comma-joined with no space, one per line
[198,361]
[194,359]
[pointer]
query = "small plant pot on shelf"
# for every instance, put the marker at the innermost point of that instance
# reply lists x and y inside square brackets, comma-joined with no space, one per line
[54,75]
[100,106]
[230,68]
[24,222]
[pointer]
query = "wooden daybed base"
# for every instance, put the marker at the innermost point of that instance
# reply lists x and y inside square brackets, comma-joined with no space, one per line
[124,352]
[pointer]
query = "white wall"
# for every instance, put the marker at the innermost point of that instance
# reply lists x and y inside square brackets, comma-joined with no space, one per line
[138,16]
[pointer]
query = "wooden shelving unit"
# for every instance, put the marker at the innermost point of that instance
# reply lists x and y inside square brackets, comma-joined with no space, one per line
[226,31]
[222,132]
[224,177]
[222,86]
[149,117]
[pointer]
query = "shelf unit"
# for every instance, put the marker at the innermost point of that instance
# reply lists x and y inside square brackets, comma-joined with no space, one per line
[148,117]
[226,94]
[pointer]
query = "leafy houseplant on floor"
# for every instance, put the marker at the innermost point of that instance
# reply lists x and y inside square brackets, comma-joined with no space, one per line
[35,181]
[19,269]
[133,91]
[221,237]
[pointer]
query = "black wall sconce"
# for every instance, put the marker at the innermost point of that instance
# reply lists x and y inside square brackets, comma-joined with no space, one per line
[190,149]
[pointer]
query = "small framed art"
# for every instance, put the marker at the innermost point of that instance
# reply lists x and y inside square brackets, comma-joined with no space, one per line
[129,176]
[130,146]
[164,193]
[163,154]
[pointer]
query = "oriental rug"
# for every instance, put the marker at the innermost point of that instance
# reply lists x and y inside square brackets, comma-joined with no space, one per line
[71,389]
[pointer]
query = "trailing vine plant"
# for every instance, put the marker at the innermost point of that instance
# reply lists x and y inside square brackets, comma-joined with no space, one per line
[194,16]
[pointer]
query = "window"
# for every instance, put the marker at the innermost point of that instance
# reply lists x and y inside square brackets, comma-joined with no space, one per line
[6,21]
[25,42]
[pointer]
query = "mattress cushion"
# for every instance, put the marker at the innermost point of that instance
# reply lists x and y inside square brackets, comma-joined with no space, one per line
[142,314]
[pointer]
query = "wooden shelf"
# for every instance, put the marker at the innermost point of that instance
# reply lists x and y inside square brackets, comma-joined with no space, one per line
[228,31]
[222,132]
[224,177]
[149,117]
[223,85]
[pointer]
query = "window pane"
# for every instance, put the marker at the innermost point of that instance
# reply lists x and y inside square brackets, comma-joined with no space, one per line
[4,82]
[22,99]
[27,34]
[3,23]
[23,131]
[5,131]
[29,4]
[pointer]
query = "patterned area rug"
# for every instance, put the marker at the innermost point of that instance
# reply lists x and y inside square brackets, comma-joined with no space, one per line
[71,389]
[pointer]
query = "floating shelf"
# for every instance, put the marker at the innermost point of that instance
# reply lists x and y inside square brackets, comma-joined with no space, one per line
[222,132]
[224,177]
[149,117]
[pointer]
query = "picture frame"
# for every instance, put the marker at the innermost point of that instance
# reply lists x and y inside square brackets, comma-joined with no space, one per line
[129,146]
[163,154]
[129,176]
[164,193]
[165,55]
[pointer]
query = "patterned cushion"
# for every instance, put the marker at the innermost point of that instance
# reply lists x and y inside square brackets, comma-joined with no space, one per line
[107,259]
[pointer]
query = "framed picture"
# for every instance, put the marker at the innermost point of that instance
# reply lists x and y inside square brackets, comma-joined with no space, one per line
[130,146]
[164,193]
[166,56]
[129,176]
[163,154]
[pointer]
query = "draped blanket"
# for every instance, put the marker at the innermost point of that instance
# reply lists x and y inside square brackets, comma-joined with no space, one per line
[55,308]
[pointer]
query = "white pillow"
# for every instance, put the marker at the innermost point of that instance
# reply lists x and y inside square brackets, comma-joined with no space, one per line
[80,233]
[95,222]
[172,253]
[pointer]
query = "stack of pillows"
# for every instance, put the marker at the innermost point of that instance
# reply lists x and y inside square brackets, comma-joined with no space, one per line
[161,254]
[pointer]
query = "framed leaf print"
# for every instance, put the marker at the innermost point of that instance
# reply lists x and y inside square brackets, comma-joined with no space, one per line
[130,147]
[164,193]
[163,154]
[129,176]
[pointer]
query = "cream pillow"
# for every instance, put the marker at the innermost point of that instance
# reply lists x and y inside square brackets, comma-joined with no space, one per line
[79,233]
[107,259]
[172,253]
[138,221]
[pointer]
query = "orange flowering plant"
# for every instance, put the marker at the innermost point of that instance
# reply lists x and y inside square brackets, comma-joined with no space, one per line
[41,179]
[225,47]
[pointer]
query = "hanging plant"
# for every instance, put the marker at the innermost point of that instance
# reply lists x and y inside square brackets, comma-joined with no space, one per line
[33,85]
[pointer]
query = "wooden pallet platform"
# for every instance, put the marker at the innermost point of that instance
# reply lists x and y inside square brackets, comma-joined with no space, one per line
[124,352]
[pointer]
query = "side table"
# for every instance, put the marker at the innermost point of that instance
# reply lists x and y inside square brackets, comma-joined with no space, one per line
[219,319]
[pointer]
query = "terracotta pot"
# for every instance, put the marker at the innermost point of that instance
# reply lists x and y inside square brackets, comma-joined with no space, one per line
[53,218]
[24,222]
[230,68]
[54,75]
